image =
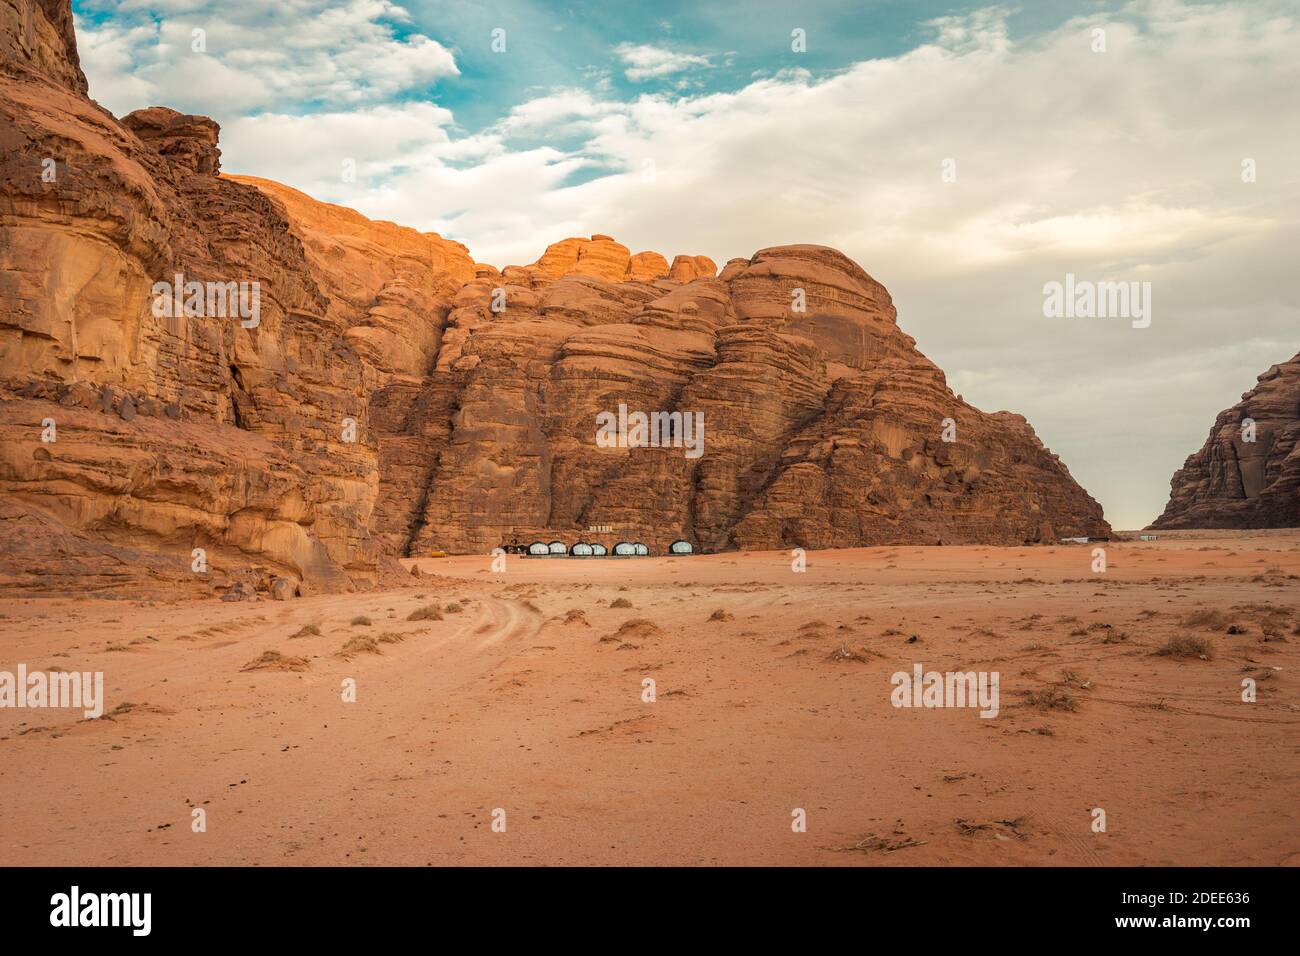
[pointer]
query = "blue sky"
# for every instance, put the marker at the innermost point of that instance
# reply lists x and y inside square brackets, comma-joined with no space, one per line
[577,44]
[1105,140]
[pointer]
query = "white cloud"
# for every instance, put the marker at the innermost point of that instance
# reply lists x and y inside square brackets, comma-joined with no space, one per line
[646,62]
[380,141]
[552,113]
[257,56]
[983,29]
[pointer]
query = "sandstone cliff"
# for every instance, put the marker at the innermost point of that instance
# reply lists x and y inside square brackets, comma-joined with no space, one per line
[824,427]
[181,431]
[394,396]
[1244,476]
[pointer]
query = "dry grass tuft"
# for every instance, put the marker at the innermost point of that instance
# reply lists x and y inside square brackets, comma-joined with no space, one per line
[1207,618]
[275,661]
[1051,698]
[430,612]
[359,645]
[1185,645]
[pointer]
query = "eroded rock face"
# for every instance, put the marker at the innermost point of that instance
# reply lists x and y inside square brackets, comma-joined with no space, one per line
[174,430]
[188,142]
[822,427]
[394,396]
[1245,477]
[37,36]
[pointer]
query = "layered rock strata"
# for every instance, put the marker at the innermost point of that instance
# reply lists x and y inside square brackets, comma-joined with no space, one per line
[342,391]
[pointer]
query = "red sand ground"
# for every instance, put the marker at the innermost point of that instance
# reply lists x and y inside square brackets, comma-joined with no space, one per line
[504,704]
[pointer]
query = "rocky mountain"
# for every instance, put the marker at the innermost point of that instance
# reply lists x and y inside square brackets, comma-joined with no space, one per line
[191,360]
[1247,474]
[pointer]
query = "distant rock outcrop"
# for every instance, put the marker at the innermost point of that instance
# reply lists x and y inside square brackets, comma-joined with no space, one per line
[602,257]
[392,396]
[1247,474]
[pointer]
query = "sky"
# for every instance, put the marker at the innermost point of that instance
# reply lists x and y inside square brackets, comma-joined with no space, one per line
[966,155]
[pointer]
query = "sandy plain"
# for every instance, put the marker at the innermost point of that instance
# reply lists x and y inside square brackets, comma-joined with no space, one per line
[772,688]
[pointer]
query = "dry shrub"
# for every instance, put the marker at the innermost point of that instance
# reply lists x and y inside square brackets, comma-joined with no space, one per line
[1185,645]
[1207,618]
[275,661]
[1051,698]
[430,612]
[358,645]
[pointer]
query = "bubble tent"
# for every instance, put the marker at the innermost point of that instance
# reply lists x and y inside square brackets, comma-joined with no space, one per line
[594,549]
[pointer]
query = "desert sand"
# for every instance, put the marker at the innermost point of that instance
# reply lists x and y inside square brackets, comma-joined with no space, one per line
[772,693]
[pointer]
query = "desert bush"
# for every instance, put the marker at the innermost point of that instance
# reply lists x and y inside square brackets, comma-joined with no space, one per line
[359,645]
[1185,645]
[430,612]
[1051,698]
[275,661]
[1207,618]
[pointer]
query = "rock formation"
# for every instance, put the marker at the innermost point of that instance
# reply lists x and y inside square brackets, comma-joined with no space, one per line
[1247,474]
[177,431]
[392,396]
